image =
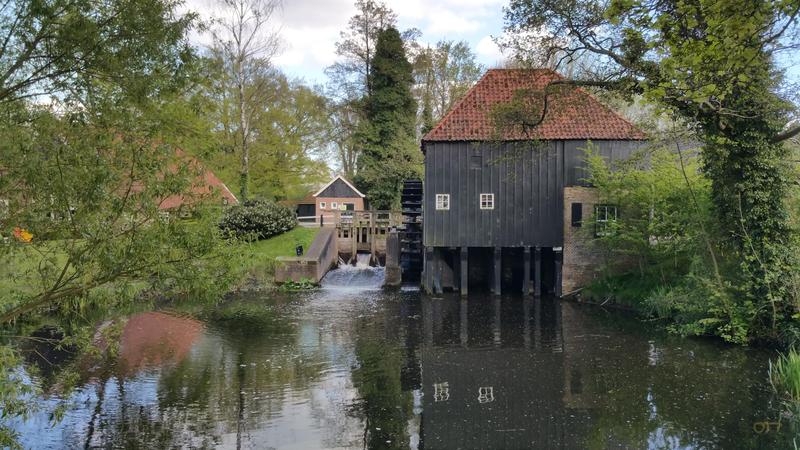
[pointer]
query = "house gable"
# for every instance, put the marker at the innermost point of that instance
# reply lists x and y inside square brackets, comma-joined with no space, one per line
[339,188]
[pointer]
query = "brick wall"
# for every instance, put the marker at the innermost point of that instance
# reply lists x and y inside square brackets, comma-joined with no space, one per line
[357,201]
[583,260]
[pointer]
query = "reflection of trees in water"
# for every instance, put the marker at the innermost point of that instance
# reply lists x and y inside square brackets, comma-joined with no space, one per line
[385,407]
[234,379]
[646,390]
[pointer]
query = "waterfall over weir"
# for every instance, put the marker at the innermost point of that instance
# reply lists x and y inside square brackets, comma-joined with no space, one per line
[359,277]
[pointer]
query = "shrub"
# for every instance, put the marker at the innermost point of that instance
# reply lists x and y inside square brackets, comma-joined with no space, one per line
[257,219]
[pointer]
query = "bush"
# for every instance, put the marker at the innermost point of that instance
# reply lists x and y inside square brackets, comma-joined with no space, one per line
[257,219]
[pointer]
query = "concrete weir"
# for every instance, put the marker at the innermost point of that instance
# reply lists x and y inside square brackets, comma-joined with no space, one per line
[321,256]
[327,251]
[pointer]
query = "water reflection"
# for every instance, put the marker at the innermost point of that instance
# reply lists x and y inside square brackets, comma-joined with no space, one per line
[369,369]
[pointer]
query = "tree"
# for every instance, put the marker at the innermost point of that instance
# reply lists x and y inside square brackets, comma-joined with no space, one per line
[289,134]
[66,47]
[344,119]
[246,45]
[712,64]
[351,74]
[450,71]
[387,135]
[85,172]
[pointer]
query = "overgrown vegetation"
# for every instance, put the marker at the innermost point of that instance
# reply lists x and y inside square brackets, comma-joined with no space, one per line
[666,252]
[713,67]
[784,376]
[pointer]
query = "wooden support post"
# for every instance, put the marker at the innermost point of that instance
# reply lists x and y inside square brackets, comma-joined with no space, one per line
[498,270]
[464,269]
[526,279]
[497,328]
[537,272]
[559,259]
[371,237]
[354,245]
[437,272]
[427,284]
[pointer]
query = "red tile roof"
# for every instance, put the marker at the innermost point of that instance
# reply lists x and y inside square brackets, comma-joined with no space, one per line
[572,113]
[205,186]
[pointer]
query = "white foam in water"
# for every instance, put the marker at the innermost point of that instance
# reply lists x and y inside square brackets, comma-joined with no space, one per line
[357,278]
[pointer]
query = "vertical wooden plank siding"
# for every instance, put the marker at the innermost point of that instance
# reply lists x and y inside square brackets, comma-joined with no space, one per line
[527,184]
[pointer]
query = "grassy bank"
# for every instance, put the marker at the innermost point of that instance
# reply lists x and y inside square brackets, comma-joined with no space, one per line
[258,258]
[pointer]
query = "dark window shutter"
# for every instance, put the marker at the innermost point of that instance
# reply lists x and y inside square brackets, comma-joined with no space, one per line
[577,214]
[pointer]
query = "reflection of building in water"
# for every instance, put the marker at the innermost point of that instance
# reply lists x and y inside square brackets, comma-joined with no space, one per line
[494,376]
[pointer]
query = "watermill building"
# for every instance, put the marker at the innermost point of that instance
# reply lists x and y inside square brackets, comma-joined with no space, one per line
[503,204]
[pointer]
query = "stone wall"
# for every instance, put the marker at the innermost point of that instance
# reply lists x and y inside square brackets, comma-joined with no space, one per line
[583,259]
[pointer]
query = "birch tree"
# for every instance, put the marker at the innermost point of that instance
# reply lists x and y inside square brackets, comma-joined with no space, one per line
[246,40]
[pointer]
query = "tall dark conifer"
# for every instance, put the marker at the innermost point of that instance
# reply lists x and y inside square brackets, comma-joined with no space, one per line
[387,136]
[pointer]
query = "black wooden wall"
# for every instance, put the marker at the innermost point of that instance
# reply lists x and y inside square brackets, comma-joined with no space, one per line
[527,181]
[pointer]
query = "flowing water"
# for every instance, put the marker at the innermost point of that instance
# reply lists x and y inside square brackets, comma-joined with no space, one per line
[353,366]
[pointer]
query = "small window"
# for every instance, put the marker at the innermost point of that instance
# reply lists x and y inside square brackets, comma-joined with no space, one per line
[225,201]
[605,216]
[442,202]
[487,201]
[334,205]
[577,214]
[322,205]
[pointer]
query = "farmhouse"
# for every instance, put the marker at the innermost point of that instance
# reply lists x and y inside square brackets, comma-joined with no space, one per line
[205,187]
[338,195]
[515,195]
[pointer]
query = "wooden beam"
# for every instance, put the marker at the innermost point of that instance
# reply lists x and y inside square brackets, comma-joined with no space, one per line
[537,272]
[464,270]
[498,270]
[559,256]
[526,281]
[427,284]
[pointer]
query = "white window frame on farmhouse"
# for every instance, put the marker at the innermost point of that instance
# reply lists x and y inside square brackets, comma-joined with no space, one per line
[486,201]
[442,202]
[322,205]
[334,205]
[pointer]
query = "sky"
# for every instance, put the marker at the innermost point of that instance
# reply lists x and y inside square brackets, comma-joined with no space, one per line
[310,28]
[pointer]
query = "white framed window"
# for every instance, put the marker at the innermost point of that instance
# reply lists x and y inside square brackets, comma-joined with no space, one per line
[334,205]
[442,202]
[322,205]
[441,392]
[485,394]
[487,201]
[604,218]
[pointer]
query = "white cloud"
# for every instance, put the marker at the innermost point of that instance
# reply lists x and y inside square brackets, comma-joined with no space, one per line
[310,28]
[488,50]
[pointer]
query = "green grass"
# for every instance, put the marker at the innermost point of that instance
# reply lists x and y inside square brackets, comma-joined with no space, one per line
[259,257]
[20,265]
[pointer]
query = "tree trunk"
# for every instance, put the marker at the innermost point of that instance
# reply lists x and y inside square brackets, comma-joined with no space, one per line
[245,171]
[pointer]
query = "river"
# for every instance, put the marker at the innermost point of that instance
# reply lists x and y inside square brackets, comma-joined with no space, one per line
[353,366]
